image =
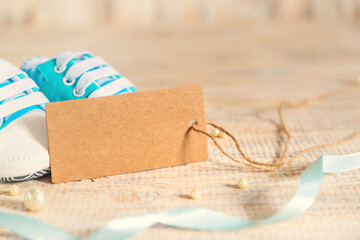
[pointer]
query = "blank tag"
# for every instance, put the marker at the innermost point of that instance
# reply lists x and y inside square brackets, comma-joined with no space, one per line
[105,136]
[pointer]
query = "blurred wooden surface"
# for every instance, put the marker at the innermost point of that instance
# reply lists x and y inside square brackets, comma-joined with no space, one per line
[70,14]
[245,71]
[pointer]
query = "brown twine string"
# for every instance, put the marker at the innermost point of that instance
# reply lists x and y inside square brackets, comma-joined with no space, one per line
[283,104]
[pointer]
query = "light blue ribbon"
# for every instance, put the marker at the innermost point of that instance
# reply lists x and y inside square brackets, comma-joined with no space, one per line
[193,218]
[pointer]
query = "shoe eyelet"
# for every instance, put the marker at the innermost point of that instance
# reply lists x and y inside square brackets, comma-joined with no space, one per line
[58,70]
[76,94]
[67,83]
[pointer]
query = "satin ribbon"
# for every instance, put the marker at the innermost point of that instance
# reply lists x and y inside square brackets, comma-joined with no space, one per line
[193,218]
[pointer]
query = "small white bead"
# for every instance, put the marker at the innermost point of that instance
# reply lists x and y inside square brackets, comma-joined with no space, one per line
[195,194]
[215,132]
[34,199]
[242,184]
[14,190]
[222,135]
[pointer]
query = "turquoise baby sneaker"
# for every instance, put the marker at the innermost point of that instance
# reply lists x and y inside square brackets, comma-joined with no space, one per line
[76,75]
[23,139]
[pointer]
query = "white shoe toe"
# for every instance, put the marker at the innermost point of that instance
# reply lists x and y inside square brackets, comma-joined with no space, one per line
[24,146]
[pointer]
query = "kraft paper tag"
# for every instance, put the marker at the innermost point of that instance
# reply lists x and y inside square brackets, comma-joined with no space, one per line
[105,136]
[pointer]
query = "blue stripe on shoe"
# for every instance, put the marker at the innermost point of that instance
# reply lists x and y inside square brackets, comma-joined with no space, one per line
[8,119]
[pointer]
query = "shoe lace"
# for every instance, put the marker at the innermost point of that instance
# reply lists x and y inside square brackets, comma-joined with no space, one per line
[87,72]
[11,100]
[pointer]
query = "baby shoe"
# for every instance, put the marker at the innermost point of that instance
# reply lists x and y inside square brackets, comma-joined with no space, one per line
[76,75]
[23,139]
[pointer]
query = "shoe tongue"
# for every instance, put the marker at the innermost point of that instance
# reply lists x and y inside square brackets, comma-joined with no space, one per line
[99,82]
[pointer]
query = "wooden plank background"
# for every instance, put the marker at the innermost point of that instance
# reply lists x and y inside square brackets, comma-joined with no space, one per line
[68,14]
[300,48]
[245,72]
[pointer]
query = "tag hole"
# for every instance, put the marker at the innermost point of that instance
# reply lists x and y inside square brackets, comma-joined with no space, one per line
[193,122]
